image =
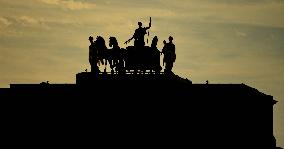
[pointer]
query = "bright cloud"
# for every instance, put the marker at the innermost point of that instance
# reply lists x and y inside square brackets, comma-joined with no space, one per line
[4,22]
[26,20]
[70,4]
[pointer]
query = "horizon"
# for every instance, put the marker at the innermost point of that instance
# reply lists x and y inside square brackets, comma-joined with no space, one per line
[220,41]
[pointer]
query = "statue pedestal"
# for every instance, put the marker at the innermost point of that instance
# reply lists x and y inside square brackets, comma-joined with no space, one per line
[89,78]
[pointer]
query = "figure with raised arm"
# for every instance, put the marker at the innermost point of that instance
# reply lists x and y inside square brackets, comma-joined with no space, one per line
[139,34]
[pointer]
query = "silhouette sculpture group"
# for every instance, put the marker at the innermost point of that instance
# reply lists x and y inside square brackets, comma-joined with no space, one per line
[137,58]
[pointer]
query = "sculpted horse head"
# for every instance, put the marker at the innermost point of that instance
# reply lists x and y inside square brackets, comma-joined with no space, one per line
[100,43]
[113,42]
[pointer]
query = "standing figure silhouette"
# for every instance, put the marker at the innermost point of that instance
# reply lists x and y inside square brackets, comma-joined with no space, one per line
[169,55]
[93,55]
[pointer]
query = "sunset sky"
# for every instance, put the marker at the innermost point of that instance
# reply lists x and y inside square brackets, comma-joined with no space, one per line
[223,41]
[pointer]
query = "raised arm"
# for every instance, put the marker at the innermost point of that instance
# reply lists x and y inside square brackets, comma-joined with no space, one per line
[149,24]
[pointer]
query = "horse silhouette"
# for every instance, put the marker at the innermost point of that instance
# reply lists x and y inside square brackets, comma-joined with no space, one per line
[116,55]
[131,59]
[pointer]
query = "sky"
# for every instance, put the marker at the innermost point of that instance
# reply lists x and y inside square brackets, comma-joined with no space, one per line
[223,41]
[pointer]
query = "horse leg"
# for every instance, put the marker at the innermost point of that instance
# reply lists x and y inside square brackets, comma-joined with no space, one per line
[114,64]
[111,66]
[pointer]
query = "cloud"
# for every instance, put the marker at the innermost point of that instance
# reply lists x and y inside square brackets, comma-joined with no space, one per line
[53,2]
[26,20]
[29,21]
[70,4]
[241,34]
[4,22]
